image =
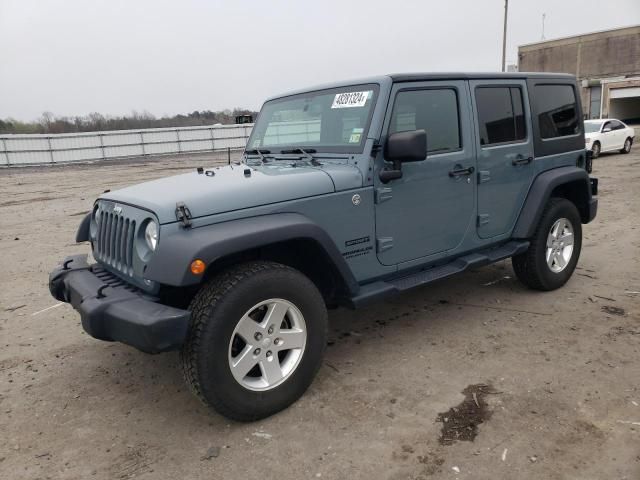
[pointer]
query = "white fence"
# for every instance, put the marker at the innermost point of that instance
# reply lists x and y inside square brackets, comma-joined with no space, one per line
[21,150]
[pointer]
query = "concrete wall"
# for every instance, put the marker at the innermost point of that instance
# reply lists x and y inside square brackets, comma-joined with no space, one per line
[595,55]
[597,58]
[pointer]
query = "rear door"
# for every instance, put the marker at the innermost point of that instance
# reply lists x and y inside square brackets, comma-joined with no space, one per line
[505,152]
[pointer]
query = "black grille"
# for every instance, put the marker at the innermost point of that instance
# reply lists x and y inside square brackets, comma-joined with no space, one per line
[114,241]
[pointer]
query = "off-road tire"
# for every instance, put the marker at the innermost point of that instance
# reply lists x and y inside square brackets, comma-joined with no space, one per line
[531,266]
[596,150]
[215,311]
[627,145]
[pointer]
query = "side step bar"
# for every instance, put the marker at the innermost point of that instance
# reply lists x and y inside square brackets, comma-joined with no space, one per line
[384,288]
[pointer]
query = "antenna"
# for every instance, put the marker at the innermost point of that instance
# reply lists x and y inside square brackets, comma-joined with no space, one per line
[504,36]
[544,17]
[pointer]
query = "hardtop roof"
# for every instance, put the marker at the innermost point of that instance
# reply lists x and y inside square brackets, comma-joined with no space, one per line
[414,77]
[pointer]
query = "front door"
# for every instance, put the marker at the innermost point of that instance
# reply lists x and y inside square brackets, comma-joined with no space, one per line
[608,137]
[505,153]
[430,209]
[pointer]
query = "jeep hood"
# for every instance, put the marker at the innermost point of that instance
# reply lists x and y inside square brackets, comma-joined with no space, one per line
[230,188]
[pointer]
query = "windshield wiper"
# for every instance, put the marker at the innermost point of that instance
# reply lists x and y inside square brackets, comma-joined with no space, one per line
[258,151]
[307,153]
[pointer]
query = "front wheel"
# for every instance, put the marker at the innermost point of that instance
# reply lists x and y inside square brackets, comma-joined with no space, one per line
[595,150]
[554,250]
[257,337]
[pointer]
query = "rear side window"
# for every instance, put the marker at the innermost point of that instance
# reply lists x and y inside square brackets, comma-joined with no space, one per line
[435,111]
[557,110]
[500,115]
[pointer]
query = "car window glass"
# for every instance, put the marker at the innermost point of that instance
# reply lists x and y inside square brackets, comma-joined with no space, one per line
[500,115]
[330,120]
[607,125]
[435,111]
[616,125]
[557,110]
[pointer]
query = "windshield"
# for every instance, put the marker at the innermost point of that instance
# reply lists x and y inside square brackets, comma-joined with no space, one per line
[333,120]
[591,127]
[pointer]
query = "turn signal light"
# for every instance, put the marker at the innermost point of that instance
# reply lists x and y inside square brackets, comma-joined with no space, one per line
[197,267]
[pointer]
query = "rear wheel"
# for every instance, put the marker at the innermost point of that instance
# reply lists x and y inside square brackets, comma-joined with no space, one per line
[627,146]
[555,248]
[257,336]
[595,150]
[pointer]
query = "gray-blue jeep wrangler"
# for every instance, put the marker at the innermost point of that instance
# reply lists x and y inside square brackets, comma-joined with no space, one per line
[347,193]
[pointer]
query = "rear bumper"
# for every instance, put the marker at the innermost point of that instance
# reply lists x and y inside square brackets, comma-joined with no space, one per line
[593,208]
[593,202]
[113,310]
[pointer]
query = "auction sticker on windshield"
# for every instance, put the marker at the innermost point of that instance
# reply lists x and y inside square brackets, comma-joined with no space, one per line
[350,99]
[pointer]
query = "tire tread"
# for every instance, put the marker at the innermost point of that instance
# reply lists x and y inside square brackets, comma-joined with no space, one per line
[201,307]
[524,264]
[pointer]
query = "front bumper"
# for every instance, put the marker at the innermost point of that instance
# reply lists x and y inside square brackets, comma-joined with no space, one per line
[113,310]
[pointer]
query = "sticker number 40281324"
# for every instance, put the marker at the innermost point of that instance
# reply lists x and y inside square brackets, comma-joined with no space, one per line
[350,99]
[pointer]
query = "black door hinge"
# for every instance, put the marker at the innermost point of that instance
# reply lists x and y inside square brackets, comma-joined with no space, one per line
[183,214]
[375,149]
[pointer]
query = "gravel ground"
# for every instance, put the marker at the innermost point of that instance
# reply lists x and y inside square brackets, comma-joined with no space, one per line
[547,383]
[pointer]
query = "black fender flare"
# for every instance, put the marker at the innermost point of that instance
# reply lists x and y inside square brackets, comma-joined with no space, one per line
[82,235]
[170,263]
[540,192]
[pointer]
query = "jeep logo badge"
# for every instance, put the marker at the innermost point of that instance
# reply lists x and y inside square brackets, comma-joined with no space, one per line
[356,199]
[117,209]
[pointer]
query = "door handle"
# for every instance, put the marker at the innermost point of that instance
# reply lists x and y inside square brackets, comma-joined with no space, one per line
[520,160]
[459,171]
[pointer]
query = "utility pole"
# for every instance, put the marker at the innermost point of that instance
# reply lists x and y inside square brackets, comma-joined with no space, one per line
[544,16]
[504,36]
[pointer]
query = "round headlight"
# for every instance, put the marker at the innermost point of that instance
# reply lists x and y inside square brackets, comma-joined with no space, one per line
[151,235]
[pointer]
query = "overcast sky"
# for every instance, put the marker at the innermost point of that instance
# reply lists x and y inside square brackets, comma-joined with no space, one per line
[72,57]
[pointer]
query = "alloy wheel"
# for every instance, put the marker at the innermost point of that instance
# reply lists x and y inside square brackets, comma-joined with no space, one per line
[267,344]
[559,245]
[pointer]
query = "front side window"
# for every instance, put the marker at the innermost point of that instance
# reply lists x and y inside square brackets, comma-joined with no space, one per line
[557,111]
[333,120]
[435,111]
[500,115]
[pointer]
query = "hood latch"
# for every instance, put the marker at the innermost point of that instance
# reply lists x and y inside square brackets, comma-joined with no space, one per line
[183,214]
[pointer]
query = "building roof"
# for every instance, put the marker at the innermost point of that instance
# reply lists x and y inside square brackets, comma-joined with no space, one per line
[584,36]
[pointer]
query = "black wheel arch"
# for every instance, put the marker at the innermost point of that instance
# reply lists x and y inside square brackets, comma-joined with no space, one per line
[288,238]
[572,183]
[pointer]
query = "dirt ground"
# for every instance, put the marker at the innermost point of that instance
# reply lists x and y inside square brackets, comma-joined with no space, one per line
[555,376]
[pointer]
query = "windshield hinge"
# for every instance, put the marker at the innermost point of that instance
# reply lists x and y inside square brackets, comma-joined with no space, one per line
[183,214]
[375,149]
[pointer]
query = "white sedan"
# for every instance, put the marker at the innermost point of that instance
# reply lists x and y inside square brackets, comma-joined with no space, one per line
[608,135]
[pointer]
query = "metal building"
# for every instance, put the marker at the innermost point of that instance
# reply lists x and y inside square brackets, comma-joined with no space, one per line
[606,63]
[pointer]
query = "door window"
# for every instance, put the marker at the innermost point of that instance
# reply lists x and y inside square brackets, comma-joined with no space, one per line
[500,115]
[435,111]
[616,125]
[557,110]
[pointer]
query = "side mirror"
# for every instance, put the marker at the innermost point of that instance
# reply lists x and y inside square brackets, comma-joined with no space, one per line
[406,146]
[403,147]
[606,129]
